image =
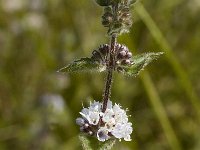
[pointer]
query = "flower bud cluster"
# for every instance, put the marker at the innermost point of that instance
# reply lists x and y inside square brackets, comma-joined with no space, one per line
[113,123]
[122,55]
[107,17]
[124,17]
[116,15]
[101,53]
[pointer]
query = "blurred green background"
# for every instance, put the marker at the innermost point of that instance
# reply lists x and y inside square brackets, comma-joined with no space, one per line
[38,106]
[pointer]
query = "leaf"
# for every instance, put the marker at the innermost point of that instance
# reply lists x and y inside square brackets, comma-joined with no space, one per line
[139,62]
[84,64]
[108,145]
[132,1]
[84,142]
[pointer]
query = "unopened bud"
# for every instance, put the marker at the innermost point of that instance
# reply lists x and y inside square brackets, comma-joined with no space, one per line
[104,49]
[121,54]
[126,62]
[80,121]
[107,19]
[124,48]
[96,55]
[129,55]
[105,23]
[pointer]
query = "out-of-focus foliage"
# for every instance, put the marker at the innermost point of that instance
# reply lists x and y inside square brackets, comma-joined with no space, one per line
[38,106]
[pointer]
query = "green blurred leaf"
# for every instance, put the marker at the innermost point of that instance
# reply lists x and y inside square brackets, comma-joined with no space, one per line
[84,142]
[90,144]
[139,62]
[84,64]
[108,145]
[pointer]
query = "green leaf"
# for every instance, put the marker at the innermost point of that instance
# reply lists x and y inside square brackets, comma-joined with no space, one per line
[84,64]
[139,62]
[108,145]
[84,142]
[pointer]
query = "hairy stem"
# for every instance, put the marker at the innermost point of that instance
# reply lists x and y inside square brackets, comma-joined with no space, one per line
[109,78]
[107,90]
[111,64]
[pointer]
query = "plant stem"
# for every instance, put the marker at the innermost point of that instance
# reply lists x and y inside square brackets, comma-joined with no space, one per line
[111,63]
[107,90]
[109,77]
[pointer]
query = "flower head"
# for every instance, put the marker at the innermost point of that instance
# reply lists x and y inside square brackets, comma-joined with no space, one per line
[105,125]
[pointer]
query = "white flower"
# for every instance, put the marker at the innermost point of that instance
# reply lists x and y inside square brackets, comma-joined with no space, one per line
[108,115]
[96,106]
[102,134]
[120,114]
[112,122]
[94,118]
[109,105]
[122,131]
[85,113]
[91,116]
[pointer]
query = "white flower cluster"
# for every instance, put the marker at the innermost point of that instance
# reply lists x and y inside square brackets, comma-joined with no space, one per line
[105,125]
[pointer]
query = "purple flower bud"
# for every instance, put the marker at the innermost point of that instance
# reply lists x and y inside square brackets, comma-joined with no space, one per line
[117,47]
[107,19]
[104,49]
[97,55]
[129,55]
[121,55]
[126,49]
[80,121]
[126,62]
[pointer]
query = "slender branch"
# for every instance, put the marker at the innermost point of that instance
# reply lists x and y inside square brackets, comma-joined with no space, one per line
[111,64]
[109,78]
[107,90]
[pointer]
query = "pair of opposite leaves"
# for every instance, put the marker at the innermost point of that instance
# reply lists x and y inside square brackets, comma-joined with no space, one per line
[89,64]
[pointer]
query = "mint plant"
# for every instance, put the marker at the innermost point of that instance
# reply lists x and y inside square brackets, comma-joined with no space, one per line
[105,120]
